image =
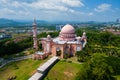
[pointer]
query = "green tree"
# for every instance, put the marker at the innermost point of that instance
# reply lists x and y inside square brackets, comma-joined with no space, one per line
[66,55]
[81,55]
[96,69]
[8,47]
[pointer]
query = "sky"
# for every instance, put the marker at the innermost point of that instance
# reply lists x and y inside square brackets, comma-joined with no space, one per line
[61,10]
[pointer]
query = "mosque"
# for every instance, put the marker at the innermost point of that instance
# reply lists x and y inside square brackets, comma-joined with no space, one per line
[67,43]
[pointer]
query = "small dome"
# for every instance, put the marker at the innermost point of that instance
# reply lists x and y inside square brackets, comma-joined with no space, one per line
[84,33]
[68,29]
[48,36]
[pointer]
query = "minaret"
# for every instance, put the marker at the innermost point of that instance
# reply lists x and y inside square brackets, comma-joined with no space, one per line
[84,39]
[35,46]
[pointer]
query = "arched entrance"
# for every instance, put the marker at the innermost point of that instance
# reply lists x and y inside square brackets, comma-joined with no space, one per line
[71,51]
[58,52]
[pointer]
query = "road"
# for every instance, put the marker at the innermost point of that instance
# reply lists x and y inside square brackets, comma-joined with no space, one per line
[6,61]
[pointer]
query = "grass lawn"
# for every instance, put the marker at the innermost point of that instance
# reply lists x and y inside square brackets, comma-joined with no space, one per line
[15,35]
[63,71]
[22,69]
[26,68]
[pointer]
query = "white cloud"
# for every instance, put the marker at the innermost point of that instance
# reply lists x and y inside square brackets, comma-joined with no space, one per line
[7,11]
[73,3]
[16,4]
[23,13]
[41,9]
[103,7]
[90,14]
[54,5]
[43,5]
[4,1]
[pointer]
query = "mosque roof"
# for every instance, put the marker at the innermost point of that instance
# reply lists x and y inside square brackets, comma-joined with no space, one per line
[58,41]
[68,29]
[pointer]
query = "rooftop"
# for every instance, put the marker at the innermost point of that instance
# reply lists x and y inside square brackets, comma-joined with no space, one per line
[68,29]
[58,41]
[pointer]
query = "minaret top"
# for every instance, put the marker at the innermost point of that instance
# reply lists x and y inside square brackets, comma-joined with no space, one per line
[34,22]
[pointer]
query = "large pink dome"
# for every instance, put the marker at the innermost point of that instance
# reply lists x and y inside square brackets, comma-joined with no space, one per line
[67,33]
[68,29]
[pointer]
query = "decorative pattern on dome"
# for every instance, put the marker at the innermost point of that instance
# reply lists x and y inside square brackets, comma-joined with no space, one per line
[67,33]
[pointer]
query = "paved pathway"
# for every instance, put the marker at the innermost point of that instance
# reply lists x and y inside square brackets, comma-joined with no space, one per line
[4,62]
[43,69]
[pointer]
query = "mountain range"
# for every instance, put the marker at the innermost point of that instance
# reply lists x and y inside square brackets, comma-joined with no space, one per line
[9,22]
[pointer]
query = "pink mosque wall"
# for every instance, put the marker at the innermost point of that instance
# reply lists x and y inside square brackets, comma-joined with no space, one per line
[62,48]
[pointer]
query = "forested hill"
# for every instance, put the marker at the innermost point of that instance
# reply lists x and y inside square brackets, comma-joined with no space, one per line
[4,22]
[8,22]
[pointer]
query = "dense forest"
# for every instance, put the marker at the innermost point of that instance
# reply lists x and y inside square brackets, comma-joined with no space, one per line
[100,57]
[13,46]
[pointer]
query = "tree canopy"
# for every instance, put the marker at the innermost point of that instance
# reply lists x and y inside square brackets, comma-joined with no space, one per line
[96,69]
